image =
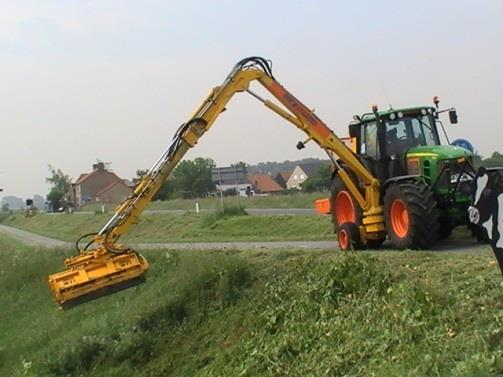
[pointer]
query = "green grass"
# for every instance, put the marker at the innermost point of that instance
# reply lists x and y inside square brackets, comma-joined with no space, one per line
[184,228]
[256,313]
[298,200]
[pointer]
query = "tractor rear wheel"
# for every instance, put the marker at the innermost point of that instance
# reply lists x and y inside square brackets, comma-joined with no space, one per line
[410,215]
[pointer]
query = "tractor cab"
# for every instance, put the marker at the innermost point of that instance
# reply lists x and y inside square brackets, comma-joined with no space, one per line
[384,138]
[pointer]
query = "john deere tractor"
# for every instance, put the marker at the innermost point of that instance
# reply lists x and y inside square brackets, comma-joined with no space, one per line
[424,185]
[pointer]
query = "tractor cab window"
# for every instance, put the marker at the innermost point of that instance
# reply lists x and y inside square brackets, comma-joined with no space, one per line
[370,144]
[424,133]
[397,137]
[409,132]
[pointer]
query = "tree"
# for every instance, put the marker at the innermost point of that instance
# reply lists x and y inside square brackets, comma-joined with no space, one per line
[190,179]
[193,178]
[166,190]
[318,182]
[140,173]
[239,164]
[495,160]
[60,186]
[477,160]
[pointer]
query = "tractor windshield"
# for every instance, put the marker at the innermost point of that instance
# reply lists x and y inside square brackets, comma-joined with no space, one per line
[409,132]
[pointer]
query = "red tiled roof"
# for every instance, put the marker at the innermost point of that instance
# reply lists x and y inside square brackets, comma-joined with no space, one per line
[285,174]
[105,189]
[264,183]
[83,177]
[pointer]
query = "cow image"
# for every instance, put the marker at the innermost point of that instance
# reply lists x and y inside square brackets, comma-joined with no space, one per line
[486,210]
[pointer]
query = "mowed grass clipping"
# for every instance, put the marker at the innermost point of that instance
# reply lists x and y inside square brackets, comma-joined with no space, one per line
[256,313]
[189,227]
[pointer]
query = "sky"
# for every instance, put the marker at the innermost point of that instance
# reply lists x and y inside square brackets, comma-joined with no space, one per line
[113,80]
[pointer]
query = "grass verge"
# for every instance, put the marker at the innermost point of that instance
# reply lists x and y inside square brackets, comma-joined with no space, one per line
[229,225]
[283,313]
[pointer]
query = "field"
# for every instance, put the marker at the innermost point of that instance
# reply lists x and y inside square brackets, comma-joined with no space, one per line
[257,313]
[298,200]
[183,228]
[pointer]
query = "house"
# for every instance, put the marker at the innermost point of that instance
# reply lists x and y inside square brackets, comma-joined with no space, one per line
[116,192]
[231,178]
[264,184]
[303,172]
[282,177]
[100,185]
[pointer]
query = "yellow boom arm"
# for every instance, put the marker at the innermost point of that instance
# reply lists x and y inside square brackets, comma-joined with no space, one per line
[109,266]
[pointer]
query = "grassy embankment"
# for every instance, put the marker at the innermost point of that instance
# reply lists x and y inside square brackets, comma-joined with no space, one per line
[183,228]
[298,200]
[282,313]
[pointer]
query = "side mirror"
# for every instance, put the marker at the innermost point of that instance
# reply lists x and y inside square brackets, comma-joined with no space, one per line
[453,116]
[354,130]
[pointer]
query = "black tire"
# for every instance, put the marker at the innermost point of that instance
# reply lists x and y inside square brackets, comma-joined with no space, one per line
[348,237]
[478,233]
[419,204]
[445,227]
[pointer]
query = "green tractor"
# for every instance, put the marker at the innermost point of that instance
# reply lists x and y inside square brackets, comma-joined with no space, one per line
[425,186]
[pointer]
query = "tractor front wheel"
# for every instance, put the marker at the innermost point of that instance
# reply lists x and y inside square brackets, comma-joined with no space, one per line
[348,236]
[410,215]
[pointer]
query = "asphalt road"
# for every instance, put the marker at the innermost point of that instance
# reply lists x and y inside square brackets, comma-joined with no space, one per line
[32,238]
[451,245]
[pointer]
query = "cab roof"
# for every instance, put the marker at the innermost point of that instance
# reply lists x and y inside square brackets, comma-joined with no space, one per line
[369,117]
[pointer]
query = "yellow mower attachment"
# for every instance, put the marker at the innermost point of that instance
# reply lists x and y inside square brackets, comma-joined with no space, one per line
[95,274]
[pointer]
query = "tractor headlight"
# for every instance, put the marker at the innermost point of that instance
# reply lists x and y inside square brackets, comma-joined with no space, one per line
[413,166]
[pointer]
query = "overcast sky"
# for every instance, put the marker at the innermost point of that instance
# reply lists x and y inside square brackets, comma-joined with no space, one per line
[112,80]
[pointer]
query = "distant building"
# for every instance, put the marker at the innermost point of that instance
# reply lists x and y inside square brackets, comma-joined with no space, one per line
[282,178]
[115,192]
[100,185]
[12,202]
[38,201]
[231,178]
[264,184]
[303,172]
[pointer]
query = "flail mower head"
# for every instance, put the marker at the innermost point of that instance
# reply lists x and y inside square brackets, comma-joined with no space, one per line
[95,274]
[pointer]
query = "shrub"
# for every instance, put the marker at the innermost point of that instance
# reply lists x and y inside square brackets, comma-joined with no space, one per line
[223,213]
